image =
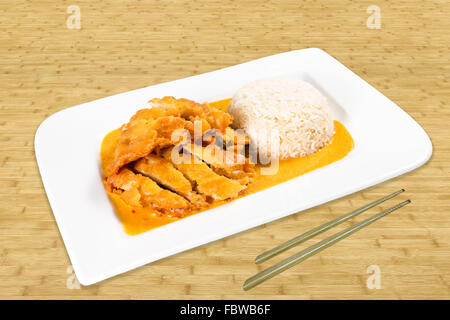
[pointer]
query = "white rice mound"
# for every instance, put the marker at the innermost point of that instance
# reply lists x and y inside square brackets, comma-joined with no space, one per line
[295,108]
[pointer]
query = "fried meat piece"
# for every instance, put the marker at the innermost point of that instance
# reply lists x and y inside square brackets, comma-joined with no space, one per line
[141,135]
[163,172]
[140,191]
[206,181]
[230,164]
[152,128]
[191,110]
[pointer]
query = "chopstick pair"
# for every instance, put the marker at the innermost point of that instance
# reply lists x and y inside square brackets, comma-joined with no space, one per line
[316,248]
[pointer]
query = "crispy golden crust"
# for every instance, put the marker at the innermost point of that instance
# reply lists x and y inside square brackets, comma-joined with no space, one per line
[163,172]
[206,181]
[141,191]
[191,110]
[141,136]
[230,164]
[144,146]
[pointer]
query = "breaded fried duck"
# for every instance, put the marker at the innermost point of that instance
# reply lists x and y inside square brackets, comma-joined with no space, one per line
[207,182]
[140,191]
[144,174]
[164,173]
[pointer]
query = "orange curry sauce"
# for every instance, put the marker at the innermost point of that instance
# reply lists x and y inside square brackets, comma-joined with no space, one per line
[137,220]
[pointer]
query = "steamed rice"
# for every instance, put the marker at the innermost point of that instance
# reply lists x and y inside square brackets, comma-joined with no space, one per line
[292,108]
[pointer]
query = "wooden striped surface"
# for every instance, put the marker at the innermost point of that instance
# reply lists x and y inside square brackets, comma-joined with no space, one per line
[46,67]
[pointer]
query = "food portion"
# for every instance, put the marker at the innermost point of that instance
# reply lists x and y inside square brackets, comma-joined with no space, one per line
[207,182]
[163,172]
[152,128]
[294,108]
[140,191]
[142,135]
[179,157]
[143,171]
[231,164]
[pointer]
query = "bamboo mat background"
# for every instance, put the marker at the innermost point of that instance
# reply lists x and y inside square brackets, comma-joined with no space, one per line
[46,67]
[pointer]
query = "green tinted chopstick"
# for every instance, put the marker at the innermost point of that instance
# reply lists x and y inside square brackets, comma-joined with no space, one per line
[312,233]
[312,250]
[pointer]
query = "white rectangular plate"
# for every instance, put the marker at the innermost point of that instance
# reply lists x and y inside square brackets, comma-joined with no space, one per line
[388,143]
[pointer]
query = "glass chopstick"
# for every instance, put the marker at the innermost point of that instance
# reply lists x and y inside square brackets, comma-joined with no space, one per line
[324,227]
[314,249]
